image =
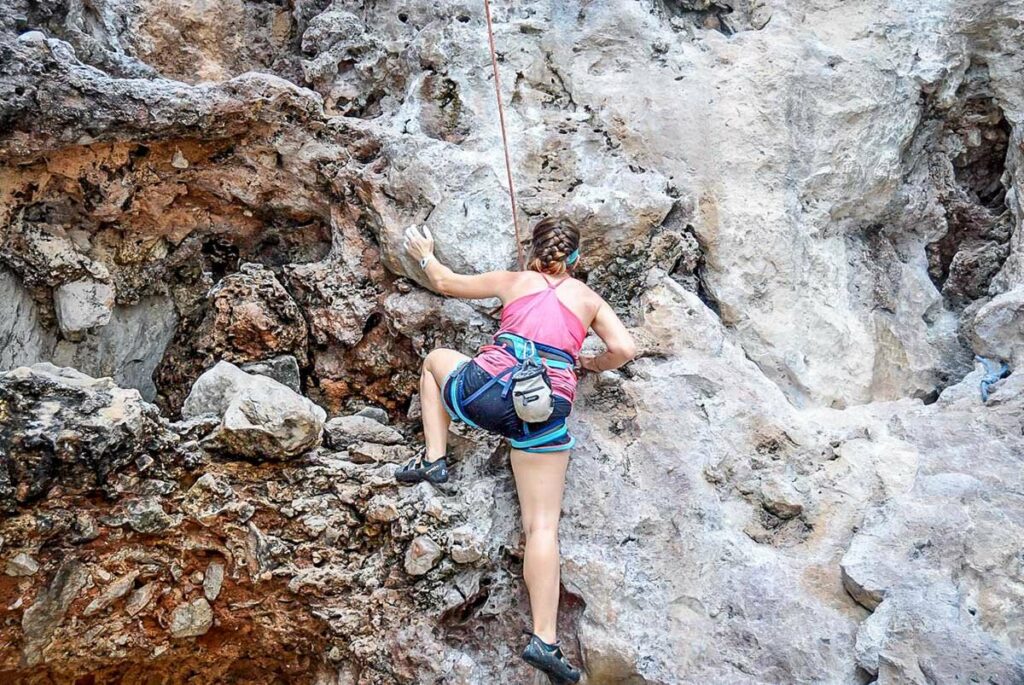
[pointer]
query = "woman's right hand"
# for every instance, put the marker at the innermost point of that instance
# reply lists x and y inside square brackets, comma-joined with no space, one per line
[419,244]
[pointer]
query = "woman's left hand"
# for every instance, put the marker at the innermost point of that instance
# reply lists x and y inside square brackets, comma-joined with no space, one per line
[418,242]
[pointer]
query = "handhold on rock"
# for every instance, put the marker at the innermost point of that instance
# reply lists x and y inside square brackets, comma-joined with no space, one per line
[780,498]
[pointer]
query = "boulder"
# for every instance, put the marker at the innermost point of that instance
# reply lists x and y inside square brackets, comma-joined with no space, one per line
[997,330]
[260,418]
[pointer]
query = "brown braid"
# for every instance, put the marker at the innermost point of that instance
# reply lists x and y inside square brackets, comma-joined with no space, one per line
[553,241]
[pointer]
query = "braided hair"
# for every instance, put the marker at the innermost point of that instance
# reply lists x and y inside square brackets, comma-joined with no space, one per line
[553,241]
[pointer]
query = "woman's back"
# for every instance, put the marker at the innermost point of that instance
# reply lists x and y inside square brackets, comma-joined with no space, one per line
[542,316]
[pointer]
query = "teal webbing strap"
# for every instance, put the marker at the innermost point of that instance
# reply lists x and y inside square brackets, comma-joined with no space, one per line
[523,348]
[543,438]
[553,448]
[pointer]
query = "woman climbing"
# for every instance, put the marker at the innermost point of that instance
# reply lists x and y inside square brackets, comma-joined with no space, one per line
[545,318]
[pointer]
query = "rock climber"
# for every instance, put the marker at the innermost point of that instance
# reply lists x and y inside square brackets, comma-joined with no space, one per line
[545,317]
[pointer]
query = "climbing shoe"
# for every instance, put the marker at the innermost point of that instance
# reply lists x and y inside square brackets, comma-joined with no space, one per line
[419,469]
[550,660]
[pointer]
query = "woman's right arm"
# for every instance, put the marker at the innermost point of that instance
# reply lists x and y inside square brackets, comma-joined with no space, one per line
[617,340]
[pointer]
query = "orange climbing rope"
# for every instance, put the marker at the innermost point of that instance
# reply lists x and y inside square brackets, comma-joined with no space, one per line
[504,137]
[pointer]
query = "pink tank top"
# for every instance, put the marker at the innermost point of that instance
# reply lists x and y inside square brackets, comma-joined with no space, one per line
[543,318]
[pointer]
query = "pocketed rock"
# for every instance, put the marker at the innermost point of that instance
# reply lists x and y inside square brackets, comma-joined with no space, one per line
[253,317]
[465,546]
[21,564]
[421,556]
[261,419]
[191,619]
[343,431]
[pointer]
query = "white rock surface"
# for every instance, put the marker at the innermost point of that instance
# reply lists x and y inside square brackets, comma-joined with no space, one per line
[82,306]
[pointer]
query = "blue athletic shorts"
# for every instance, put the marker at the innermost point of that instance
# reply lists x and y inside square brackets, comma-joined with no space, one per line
[496,414]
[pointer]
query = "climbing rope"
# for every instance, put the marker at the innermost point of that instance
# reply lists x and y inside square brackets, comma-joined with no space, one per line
[504,137]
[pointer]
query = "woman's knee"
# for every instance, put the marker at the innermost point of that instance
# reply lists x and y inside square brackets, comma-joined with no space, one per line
[435,357]
[540,526]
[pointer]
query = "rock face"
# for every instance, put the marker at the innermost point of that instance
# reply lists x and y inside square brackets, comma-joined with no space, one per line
[809,213]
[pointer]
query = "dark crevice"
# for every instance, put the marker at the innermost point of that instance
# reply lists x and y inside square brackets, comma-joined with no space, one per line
[974,137]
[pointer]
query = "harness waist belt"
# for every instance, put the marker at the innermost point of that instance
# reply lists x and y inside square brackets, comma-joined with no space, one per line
[518,346]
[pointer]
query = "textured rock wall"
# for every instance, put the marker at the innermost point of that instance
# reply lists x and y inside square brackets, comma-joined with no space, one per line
[808,211]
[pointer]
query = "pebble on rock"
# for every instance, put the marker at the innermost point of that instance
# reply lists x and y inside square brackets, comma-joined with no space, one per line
[191,619]
[213,580]
[21,564]
[421,556]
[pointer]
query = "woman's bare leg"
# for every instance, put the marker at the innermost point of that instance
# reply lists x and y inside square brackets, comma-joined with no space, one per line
[436,367]
[540,481]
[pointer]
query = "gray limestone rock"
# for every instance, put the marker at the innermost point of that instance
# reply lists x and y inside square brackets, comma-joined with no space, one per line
[343,431]
[260,418]
[284,369]
[45,615]
[213,579]
[82,306]
[21,564]
[421,555]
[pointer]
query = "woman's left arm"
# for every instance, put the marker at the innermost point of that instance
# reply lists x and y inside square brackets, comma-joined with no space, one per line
[419,244]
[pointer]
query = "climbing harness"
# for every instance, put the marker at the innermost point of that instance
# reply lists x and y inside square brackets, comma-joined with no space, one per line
[993,373]
[526,353]
[504,137]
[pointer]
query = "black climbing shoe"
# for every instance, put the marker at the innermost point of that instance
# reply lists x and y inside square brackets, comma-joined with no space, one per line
[418,469]
[549,658]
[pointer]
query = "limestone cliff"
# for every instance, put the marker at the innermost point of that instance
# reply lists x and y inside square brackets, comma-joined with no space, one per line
[808,211]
